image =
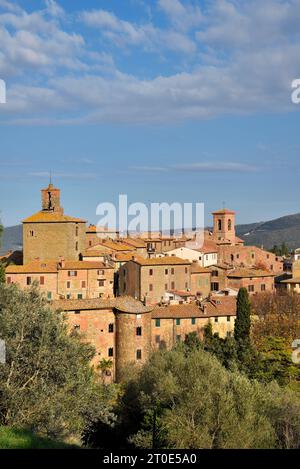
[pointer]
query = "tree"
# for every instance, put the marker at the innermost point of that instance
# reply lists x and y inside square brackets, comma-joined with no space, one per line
[47,383]
[199,404]
[2,273]
[243,321]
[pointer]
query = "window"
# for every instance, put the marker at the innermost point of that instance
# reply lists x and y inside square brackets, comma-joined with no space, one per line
[150,287]
[186,270]
[150,271]
[68,296]
[215,273]
[28,280]
[101,272]
[157,322]
[166,271]
[268,256]
[271,267]
[193,321]
[229,225]
[76,246]
[250,288]
[76,231]
[72,273]
[263,287]
[172,271]
[110,327]
[166,286]
[8,280]
[83,284]
[49,295]
[237,256]
[79,296]
[101,283]
[177,322]
[228,318]
[110,352]
[42,280]
[252,255]
[139,330]
[68,284]
[216,319]
[219,224]
[90,243]
[138,354]
[215,286]
[172,285]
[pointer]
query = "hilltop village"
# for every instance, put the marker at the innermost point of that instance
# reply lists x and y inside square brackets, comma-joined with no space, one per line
[128,296]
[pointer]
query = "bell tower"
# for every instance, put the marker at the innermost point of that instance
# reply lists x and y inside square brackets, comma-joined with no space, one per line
[224,225]
[51,199]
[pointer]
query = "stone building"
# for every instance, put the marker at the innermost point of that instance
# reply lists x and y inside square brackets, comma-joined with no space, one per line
[125,331]
[148,279]
[49,234]
[65,279]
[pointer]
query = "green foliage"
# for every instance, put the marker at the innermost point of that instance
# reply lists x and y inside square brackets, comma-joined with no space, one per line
[198,403]
[15,438]
[47,384]
[276,363]
[282,250]
[2,273]
[243,321]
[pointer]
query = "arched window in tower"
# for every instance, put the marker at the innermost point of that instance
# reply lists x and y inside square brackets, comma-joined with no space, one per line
[76,231]
[220,224]
[229,225]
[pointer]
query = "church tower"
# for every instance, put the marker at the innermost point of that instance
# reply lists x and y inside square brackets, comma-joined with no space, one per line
[51,199]
[224,226]
[49,234]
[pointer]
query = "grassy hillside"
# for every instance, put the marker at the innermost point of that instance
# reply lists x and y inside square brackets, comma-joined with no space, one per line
[12,239]
[285,229]
[13,438]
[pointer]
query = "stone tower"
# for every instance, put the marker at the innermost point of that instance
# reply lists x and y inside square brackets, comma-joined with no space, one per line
[49,234]
[51,199]
[224,226]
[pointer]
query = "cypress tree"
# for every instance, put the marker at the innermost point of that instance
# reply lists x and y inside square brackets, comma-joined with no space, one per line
[243,321]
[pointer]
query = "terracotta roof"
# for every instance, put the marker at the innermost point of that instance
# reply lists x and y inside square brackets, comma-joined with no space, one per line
[45,216]
[182,293]
[95,253]
[125,304]
[48,266]
[246,273]
[222,211]
[137,243]
[198,269]
[291,280]
[83,265]
[99,229]
[123,256]
[116,246]
[238,240]
[53,266]
[207,247]
[217,306]
[166,260]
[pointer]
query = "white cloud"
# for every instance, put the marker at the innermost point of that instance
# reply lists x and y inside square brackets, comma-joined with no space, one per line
[202,167]
[60,76]
[182,16]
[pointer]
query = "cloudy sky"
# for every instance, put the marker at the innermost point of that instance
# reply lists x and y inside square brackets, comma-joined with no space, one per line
[163,100]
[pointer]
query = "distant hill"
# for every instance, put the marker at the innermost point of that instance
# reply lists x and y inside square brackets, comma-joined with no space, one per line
[284,229]
[265,233]
[12,239]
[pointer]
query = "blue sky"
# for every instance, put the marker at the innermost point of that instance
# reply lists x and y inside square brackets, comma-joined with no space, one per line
[164,100]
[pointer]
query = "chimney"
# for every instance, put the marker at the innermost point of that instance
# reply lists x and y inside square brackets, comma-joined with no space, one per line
[61,262]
